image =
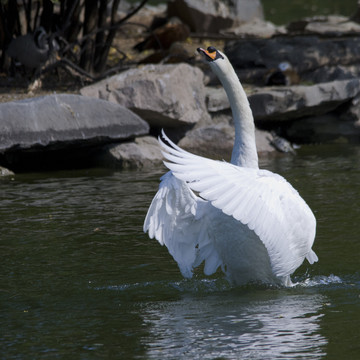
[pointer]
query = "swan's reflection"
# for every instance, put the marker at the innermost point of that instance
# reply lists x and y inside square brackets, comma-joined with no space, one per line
[236,327]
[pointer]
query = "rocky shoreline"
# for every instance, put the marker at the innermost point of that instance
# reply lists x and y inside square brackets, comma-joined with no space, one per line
[116,121]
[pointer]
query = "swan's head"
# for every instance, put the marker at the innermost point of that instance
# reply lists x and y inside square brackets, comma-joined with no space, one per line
[216,59]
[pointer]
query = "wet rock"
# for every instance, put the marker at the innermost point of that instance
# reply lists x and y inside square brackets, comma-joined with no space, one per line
[352,112]
[60,121]
[213,15]
[142,152]
[324,128]
[281,144]
[164,95]
[5,172]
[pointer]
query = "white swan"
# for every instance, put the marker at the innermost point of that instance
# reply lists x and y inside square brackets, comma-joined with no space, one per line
[250,222]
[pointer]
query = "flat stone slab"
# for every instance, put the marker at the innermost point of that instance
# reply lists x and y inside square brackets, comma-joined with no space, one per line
[58,121]
[286,103]
[290,102]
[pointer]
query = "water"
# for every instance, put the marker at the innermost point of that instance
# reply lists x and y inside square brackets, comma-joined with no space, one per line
[282,12]
[80,280]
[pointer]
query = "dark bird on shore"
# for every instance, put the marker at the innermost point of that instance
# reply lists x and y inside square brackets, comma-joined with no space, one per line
[284,74]
[164,36]
[33,49]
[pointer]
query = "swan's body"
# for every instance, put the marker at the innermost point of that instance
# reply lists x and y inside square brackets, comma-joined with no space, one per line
[250,222]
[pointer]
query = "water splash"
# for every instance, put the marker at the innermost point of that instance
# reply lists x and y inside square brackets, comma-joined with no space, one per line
[204,286]
[183,286]
[319,281]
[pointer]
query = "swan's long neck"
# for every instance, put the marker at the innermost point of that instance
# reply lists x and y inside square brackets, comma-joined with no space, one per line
[244,152]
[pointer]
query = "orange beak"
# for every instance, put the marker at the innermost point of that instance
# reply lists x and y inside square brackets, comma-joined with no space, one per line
[211,55]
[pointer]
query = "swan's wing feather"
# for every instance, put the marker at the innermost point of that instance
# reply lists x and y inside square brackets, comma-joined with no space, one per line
[177,218]
[262,200]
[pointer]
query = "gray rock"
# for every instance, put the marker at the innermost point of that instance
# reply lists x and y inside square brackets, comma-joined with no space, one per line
[213,141]
[352,113]
[288,103]
[58,121]
[285,103]
[257,28]
[216,99]
[216,139]
[5,172]
[332,25]
[281,144]
[163,95]
[212,16]
[143,152]
[246,10]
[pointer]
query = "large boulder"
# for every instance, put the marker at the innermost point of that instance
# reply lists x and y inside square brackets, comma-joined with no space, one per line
[217,141]
[164,95]
[212,16]
[214,137]
[58,121]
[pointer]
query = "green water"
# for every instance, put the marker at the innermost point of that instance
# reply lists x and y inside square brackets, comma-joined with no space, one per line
[284,11]
[79,279]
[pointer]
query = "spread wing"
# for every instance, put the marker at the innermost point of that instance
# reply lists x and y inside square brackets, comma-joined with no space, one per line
[178,219]
[260,199]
